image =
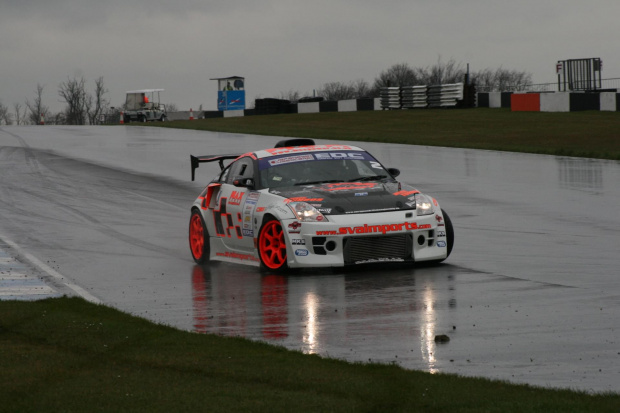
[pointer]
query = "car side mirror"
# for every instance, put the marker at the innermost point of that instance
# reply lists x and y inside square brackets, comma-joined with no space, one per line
[243,182]
[394,172]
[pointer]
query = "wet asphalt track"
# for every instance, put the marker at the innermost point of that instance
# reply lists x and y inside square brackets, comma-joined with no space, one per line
[530,294]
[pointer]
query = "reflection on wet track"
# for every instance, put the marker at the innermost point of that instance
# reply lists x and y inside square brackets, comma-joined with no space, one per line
[530,294]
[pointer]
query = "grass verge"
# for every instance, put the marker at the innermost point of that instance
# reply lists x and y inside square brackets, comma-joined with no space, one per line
[584,134]
[65,354]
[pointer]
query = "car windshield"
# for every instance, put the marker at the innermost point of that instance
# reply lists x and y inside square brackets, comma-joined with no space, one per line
[314,172]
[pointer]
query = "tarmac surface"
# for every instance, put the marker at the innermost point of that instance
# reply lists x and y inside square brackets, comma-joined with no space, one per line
[530,294]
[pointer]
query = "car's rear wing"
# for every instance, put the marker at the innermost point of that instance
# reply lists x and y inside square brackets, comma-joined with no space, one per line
[197,160]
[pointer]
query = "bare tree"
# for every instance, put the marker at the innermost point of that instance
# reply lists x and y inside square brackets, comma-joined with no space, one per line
[501,80]
[73,92]
[20,115]
[172,107]
[97,104]
[37,109]
[337,91]
[400,74]
[291,95]
[442,73]
[361,89]
[5,116]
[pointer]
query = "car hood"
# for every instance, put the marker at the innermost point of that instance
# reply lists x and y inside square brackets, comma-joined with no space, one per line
[352,197]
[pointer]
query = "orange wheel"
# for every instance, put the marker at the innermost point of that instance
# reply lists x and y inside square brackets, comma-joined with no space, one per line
[198,238]
[272,246]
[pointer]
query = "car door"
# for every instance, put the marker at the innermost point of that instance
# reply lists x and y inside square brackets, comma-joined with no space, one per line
[231,210]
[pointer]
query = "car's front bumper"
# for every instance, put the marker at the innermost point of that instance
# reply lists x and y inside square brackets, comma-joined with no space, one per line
[398,236]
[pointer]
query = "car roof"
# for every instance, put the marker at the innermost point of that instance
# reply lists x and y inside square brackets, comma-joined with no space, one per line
[266,153]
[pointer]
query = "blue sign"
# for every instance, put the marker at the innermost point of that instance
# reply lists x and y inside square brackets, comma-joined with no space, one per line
[231,100]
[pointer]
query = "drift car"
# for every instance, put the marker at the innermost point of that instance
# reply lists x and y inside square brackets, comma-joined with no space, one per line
[305,205]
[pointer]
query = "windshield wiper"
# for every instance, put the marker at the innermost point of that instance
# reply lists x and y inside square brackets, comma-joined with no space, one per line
[368,178]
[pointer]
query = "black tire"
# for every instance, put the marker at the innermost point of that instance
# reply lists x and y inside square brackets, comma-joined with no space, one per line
[449,240]
[449,232]
[198,238]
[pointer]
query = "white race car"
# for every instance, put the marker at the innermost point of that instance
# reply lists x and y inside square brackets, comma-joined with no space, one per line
[306,205]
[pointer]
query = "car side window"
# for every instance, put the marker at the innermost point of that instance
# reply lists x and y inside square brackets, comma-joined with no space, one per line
[242,168]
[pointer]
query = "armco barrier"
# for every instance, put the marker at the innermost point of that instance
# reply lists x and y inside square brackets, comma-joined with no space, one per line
[525,102]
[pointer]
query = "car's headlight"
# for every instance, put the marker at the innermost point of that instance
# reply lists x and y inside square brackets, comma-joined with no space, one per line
[423,204]
[306,212]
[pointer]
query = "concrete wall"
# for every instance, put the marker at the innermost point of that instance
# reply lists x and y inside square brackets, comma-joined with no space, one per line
[347,105]
[309,107]
[608,101]
[233,113]
[552,101]
[495,100]
[555,102]
[525,102]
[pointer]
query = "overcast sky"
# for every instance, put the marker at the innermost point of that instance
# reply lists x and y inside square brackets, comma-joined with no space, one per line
[279,46]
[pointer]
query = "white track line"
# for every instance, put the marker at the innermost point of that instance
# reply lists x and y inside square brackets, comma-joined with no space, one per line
[51,272]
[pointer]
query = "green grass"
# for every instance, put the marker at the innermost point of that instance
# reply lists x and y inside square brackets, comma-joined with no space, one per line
[67,355]
[584,134]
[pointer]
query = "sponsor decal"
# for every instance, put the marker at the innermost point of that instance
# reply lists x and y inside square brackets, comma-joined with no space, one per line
[260,209]
[302,199]
[361,194]
[425,226]
[235,198]
[350,186]
[441,244]
[294,227]
[435,202]
[290,159]
[406,193]
[254,195]
[312,148]
[324,210]
[441,234]
[339,155]
[438,218]
[372,229]
[247,233]
[296,241]
[301,253]
[237,256]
